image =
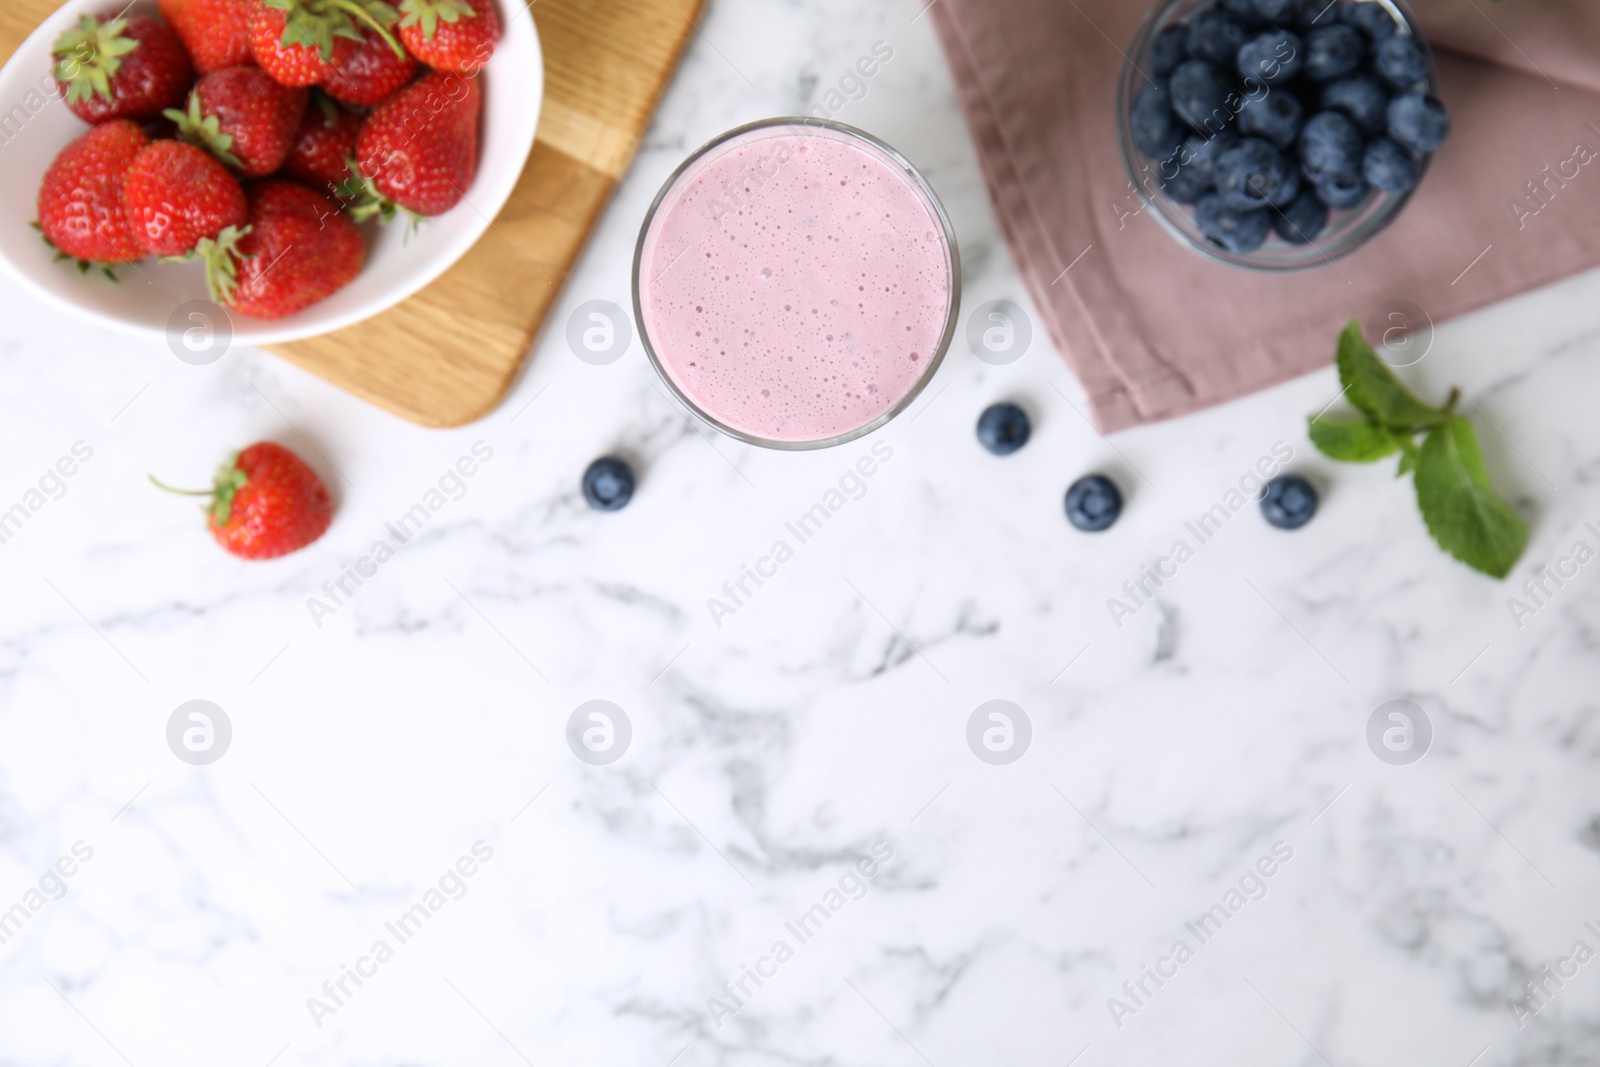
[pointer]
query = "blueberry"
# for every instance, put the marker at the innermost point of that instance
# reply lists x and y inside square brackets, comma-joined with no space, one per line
[1371,18]
[1277,12]
[1253,174]
[1274,117]
[1216,38]
[1274,57]
[1317,13]
[1093,503]
[1334,51]
[1289,502]
[1189,176]
[1151,122]
[1330,146]
[1241,11]
[1170,48]
[1341,191]
[1389,167]
[1003,428]
[1233,231]
[1362,97]
[1303,220]
[1401,61]
[608,484]
[1418,122]
[1200,95]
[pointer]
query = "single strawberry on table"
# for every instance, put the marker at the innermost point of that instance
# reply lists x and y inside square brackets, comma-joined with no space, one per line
[81,210]
[266,502]
[458,35]
[297,250]
[293,40]
[127,67]
[176,196]
[418,151]
[216,33]
[367,72]
[324,145]
[243,118]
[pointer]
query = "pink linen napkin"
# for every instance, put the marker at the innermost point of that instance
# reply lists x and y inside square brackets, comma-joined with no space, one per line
[1154,331]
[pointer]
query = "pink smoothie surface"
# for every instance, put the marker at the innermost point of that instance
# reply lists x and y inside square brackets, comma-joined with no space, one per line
[795,283]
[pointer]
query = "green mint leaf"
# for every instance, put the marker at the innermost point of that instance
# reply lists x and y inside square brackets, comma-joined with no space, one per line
[1373,388]
[1461,508]
[1408,457]
[1352,440]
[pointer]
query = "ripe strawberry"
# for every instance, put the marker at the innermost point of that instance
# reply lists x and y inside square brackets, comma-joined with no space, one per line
[81,211]
[293,40]
[265,503]
[297,250]
[176,196]
[324,146]
[128,67]
[244,118]
[419,149]
[215,32]
[365,73]
[457,35]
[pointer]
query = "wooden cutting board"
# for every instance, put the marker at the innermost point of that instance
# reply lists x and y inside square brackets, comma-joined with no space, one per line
[448,354]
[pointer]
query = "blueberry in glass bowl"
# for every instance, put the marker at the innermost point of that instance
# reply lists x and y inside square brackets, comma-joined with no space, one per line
[1278,134]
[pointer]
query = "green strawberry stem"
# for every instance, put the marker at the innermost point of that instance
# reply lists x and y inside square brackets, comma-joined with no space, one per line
[365,15]
[429,13]
[368,202]
[230,479]
[90,56]
[84,265]
[204,132]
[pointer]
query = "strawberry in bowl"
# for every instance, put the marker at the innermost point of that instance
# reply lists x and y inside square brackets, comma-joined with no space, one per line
[278,94]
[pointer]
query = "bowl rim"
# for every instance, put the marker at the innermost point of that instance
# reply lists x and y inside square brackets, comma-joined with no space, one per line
[952,317]
[1135,164]
[260,332]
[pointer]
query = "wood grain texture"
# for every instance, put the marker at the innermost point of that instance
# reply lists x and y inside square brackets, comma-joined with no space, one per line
[448,354]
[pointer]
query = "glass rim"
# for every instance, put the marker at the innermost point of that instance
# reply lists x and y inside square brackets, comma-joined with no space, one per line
[953,260]
[1356,237]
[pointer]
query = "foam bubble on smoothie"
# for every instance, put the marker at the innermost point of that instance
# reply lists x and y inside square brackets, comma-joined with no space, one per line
[795,283]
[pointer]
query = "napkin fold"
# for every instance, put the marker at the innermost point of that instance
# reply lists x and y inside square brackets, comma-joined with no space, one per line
[1510,203]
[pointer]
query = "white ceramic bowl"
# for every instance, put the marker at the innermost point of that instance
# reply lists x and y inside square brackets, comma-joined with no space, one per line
[35,126]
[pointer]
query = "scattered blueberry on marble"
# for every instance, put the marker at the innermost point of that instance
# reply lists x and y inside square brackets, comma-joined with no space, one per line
[1369,17]
[1233,231]
[1253,174]
[1286,109]
[1362,98]
[1093,503]
[1216,38]
[1303,220]
[608,484]
[1389,167]
[1003,428]
[1274,117]
[1334,51]
[1418,121]
[1288,502]
[1401,61]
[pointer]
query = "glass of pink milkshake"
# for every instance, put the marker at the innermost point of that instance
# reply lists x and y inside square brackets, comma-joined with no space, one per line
[796,283]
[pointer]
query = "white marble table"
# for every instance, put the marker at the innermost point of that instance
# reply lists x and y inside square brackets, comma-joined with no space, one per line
[1012,911]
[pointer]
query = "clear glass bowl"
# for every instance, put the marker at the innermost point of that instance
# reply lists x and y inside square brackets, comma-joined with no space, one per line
[1346,231]
[684,176]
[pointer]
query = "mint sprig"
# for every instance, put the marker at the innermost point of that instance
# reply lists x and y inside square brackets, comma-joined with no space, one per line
[1462,511]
